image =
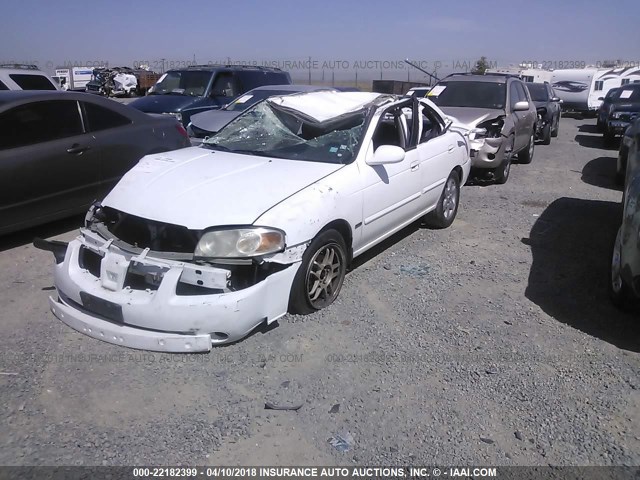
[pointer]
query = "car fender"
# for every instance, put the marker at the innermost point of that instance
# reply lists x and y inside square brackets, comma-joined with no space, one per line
[335,198]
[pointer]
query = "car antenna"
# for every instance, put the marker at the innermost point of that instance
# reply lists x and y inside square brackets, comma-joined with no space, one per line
[422,70]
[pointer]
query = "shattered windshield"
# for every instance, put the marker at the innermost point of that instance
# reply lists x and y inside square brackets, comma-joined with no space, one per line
[266,130]
[192,83]
[469,94]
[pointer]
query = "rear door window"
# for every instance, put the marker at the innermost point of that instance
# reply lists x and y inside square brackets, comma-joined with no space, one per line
[101,118]
[32,82]
[39,122]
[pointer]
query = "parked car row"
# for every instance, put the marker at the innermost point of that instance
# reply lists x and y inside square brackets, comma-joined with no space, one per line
[618,111]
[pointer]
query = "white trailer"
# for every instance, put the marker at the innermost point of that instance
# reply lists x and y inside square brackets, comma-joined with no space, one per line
[573,87]
[609,78]
[74,78]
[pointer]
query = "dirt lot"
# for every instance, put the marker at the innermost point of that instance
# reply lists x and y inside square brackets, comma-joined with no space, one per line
[492,342]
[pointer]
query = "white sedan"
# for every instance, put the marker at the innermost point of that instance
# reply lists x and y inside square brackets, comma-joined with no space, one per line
[199,246]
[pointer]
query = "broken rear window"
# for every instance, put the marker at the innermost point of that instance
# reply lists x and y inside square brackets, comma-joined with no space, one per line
[266,130]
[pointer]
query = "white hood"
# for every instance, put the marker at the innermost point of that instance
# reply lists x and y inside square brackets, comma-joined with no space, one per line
[200,188]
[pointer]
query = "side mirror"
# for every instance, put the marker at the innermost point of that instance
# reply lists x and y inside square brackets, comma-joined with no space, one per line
[385,154]
[521,106]
[557,99]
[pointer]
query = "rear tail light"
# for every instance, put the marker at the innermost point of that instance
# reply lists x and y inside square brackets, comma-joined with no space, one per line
[181,130]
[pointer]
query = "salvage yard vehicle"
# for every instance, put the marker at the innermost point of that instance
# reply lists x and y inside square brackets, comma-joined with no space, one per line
[74,78]
[212,121]
[604,109]
[633,131]
[624,279]
[116,81]
[59,151]
[18,76]
[202,245]
[625,107]
[187,91]
[499,110]
[548,109]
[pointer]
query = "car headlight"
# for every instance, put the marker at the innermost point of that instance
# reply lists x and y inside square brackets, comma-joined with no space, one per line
[616,115]
[240,242]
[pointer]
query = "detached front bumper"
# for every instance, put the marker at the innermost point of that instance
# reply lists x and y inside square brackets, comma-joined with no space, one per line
[487,152]
[98,299]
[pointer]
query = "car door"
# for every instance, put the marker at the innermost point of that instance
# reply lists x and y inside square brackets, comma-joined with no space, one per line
[529,117]
[49,159]
[437,153]
[520,137]
[391,192]
[118,142]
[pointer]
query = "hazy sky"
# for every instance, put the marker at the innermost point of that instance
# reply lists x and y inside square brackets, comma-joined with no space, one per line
[54,33]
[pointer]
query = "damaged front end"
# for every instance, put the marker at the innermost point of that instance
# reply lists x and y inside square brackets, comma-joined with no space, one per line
[542,122]
[157,286]
[487,143]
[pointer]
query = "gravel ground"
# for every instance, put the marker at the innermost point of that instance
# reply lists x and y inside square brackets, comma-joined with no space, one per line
[489,343]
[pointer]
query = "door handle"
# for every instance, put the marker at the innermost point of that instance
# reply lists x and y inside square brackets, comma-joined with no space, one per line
[415,166]
[77,148]
[450,149]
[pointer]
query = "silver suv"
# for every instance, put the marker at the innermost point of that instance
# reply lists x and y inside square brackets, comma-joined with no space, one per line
[17,76]
[501,115]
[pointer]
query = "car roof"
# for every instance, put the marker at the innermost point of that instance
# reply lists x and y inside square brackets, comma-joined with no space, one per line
[465,77]
[290,88]
[21,96]
[325,105]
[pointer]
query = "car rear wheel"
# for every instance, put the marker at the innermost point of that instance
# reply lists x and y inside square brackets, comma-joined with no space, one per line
[447,208]
[321,274]
[526,155]
[618,290]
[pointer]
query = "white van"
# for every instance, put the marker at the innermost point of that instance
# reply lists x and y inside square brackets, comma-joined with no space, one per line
[17,76]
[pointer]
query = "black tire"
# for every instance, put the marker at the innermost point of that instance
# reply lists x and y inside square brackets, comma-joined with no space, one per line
[501,174]
[322,267]
[447,208]
[546,135]
[618,289]
[556,126]
[526,155]
[608,137]
[599,125]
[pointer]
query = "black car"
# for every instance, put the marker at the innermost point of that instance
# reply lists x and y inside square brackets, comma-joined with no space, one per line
[624,279]
[632,133]
[212,121]
[548,108]
[60,151]
[605,107]
[187,91]
[625,107]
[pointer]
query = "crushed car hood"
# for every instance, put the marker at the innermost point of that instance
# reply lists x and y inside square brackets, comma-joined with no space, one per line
[173,103]
[471,116]
[213,120]
[200,188]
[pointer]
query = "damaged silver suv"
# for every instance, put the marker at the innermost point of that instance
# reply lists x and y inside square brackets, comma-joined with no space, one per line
[501,114]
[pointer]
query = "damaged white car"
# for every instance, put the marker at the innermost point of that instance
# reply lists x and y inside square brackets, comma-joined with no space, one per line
[199,246]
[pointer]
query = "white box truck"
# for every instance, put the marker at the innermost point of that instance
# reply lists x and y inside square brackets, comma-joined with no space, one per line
[73,78]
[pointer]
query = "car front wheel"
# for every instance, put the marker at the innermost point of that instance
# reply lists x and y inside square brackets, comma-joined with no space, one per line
[556,126]
[321,274]
[546,134]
